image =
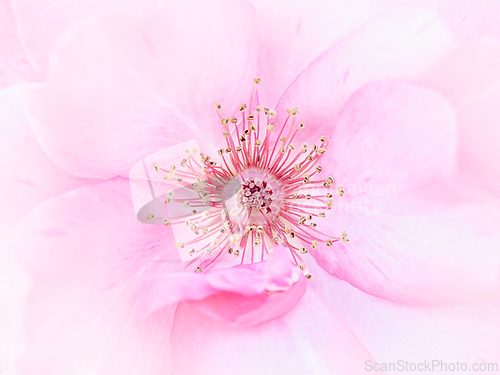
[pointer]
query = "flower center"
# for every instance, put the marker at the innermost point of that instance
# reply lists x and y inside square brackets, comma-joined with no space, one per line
[263,191]
[256,195]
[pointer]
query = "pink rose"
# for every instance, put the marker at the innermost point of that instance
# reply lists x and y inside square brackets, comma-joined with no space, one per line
[409,115]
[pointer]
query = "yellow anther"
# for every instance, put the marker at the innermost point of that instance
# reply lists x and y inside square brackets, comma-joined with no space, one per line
[156,168]
[166,201]
[302,220]
[226,134]
[250,117]
[329,242]
[309,276]
[270,127]
[180,245]
[291,147]
[308,196]
[258,143]
[321,214]
[224,121]
[344,237]
[272,113]
[198,270]
[303,250]
[313,225]
[314,244]
[258,108]
[149,216]
[322,139]
[256,80]
[306,179]
[218,106]
[318,169]
[192,252]
[166,221]
[328,204]
[243,107]
[302,125]
[321,151]
[297,166]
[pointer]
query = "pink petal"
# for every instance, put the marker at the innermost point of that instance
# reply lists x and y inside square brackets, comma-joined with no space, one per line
[141,87]
[440,258]
[15,65]
[469,77]
[393,46]
[393,332]
[42,23]
[471,20]
[88,257]
[308,337]
[286,29]
[28,176]
[395,134]
[242,295]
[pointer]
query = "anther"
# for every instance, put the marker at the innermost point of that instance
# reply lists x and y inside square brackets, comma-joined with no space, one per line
[344,237]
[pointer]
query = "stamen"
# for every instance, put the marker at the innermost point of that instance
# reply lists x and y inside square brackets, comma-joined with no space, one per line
[276,199]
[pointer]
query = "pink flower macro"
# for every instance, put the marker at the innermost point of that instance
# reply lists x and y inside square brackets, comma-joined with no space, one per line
[400,97]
